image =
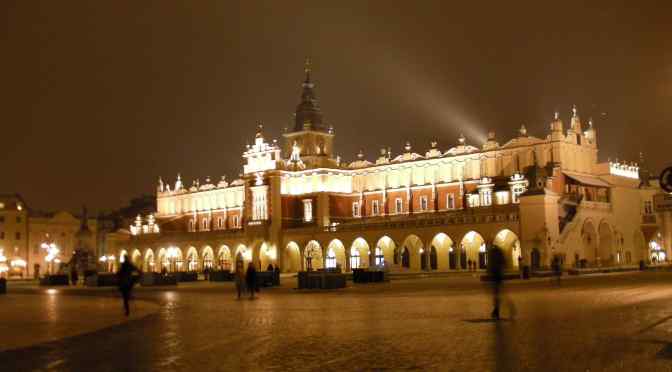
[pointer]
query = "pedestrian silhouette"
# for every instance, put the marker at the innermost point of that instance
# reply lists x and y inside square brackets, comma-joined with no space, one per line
[126,282]
[496,271]
[556,265]
[251,279]
[239,278]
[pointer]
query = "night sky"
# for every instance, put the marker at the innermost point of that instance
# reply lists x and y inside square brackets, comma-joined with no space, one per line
[99,98]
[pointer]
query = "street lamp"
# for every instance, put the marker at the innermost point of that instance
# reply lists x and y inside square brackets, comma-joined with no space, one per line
[52,255]
[3,263]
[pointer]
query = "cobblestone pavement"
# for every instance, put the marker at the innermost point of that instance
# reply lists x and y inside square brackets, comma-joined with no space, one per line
[608,322]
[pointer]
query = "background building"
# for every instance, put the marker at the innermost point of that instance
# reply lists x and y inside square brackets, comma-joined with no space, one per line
[23,231]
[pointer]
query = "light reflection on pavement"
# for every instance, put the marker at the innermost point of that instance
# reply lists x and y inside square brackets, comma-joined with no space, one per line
[613,322]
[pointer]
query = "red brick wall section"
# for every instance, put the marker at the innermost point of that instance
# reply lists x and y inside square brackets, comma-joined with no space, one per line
[443,196]
[368,199]
[340,206]
[392,196]
[417,195]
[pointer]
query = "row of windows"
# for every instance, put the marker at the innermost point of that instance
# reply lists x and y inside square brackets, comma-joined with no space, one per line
[205,223]
[18,219]
[399,206]
[17,235]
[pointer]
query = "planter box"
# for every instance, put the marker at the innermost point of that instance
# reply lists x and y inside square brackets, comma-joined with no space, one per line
[368,276]
[102,280]
[59,279]
[320,280]
[185,276]
[221,276]
[268,278]
[153,279]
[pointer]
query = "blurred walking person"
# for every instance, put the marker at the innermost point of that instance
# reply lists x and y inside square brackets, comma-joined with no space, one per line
[496,271]
[239,278]
[126,282]
[251,279]
[556,266]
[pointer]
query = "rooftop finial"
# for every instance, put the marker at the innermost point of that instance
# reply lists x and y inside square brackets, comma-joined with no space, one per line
[556,115]
[461,139]
[260,128]
[590,123]
[307,68]
[522,131]
[574,111]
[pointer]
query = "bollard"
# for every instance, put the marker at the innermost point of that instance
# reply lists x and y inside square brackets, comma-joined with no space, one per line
[3,286]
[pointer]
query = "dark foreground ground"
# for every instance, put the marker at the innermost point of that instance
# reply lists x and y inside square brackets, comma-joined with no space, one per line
[600,323]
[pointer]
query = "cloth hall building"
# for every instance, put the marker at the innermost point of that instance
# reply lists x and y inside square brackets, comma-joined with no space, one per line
[298,206]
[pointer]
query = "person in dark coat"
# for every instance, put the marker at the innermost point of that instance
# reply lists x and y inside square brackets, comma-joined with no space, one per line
[251,279]
[74,276]
[496,271]
[126,282]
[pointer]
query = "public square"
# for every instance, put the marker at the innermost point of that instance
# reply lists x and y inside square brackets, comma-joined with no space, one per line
[604,322]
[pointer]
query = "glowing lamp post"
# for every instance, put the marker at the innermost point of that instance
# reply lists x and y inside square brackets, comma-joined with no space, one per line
[3,263]
[172,253]
[107,262]
[52,255]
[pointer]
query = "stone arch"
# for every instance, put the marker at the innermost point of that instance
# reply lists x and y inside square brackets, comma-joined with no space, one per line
[292,256]
[588,242]
[136,258]
[442,246]
[242,256]
[312,254]
[389,251]
[336,255]
[123,254]
[509,243]
[224,261]
[656,251]
[162,260]
[606,244]
[472,248]
[411,251]
[207,257]
[267,255]
[191,260]
[149,265]
[359,254]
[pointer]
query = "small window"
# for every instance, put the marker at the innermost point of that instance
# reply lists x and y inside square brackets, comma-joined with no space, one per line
[424,205]
[2,219]
[355,210]
[205,224]
[236,221]
[375,208]
[2,235]
[191,225]
[450,201]
[398,206]
[17,236]
[220,223]
[307,210]
[18,219]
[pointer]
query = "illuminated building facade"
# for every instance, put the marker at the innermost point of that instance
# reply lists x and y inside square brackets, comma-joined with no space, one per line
[297,205]
[23,231]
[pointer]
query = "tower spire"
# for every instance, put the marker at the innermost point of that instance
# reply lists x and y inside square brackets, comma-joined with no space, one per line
[307,68]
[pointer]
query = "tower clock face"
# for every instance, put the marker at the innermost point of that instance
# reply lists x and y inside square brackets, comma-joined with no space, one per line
[666,179]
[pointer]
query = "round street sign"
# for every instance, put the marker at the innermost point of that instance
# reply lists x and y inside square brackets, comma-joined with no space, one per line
[666,179]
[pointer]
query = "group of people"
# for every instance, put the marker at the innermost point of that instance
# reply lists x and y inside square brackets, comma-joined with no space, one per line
[246,281]
[472,265]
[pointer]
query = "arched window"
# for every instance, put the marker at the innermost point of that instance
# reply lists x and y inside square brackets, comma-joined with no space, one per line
[354,259]
[205,224]
[380,259]
[331,259]
[191,225]
[220,223]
